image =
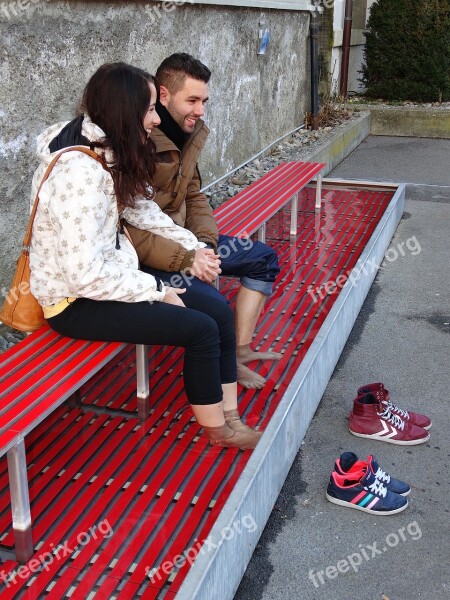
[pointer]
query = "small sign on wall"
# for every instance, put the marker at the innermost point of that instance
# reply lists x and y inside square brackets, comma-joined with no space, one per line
[264,39]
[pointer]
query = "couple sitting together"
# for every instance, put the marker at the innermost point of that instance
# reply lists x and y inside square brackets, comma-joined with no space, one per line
[94,284]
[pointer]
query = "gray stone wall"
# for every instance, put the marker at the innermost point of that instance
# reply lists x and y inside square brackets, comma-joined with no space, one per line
[49,49]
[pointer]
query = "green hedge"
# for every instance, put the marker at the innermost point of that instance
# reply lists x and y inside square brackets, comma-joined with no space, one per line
[407,52]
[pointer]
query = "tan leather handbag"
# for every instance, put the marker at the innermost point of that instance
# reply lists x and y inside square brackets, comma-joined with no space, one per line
[21,310]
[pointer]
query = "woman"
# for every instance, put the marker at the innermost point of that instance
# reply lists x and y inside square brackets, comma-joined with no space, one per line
[84,270]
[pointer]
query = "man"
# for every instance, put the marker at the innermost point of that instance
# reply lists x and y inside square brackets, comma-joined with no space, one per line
[179,140]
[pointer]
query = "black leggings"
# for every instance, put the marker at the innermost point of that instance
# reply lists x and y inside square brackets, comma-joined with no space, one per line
[204,328]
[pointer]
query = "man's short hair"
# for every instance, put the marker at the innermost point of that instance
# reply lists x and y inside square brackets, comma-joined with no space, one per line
[173,71]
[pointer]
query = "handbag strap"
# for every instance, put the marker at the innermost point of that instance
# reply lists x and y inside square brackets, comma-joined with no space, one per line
[27,238]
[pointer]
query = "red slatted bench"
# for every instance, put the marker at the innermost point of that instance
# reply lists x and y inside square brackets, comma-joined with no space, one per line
[41,372]
[36,376]
[250,210]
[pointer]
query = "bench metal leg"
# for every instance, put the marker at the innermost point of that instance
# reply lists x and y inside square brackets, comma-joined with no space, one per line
[20,502]
[294,210]
[143,386]
[262,233]
[319,191]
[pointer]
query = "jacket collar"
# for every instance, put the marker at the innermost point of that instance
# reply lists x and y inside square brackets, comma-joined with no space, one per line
[164,144]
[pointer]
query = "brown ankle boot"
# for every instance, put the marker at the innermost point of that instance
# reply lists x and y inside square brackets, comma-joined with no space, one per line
[233,420]
[225,437]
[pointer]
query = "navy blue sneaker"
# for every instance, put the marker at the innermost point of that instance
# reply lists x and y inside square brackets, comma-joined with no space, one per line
[368,494]
[348,464]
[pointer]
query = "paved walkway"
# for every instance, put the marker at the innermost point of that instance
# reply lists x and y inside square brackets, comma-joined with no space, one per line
[401,337]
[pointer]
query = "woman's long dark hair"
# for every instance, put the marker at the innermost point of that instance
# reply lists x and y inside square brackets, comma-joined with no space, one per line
[116,99]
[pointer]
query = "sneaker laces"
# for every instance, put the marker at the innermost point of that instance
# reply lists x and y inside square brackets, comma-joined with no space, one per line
[382,475]
[392,418]
[378,488]
[394,408]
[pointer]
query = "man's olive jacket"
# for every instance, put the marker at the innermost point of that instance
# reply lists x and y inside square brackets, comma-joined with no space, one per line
[177,184]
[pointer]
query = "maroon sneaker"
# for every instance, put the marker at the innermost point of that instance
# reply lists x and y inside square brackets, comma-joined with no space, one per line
[380,392]
[370,418]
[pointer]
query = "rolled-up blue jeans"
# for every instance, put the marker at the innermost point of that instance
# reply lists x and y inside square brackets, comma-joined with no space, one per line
[255,263]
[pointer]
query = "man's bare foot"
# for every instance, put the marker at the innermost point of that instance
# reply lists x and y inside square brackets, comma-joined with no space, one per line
[248,378]
[245,354]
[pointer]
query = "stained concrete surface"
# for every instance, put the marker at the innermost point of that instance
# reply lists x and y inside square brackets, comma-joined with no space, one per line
[401,337]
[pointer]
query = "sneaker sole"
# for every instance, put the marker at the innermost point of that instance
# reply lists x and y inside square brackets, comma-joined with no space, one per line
[374,436]
[366,510]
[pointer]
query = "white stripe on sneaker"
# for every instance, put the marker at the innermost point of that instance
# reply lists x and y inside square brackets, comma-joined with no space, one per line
[385,430]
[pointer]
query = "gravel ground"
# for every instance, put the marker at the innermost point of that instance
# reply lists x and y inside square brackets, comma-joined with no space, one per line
[9,337]
[362,102]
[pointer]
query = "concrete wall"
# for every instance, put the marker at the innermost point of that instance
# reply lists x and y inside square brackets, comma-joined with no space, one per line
[50,48]
[416,121]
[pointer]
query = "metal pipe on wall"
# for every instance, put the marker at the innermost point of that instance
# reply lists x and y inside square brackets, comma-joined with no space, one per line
[314,47]
[346,40]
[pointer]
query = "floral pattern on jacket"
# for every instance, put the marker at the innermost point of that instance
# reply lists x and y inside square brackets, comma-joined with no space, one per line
[73,248]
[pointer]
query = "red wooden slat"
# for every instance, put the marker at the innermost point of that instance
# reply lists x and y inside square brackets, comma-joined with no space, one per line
[122,388]
[237,469]
[163,512]
[173,466]
[54,482]
[60,359]
[60,347]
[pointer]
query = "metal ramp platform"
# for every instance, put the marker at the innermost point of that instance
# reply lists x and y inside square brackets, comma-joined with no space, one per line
[123,509]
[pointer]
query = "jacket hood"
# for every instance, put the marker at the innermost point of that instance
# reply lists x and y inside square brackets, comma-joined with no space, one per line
[70,135]
[65,134]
